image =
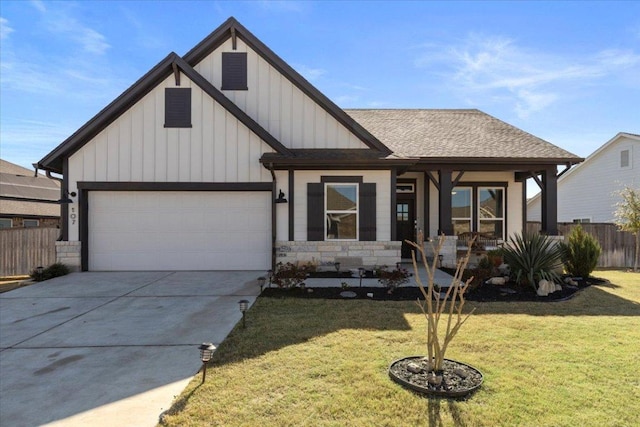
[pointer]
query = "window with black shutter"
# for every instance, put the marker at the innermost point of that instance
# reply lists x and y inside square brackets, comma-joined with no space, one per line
[234,71]
[177,107]
[341,208]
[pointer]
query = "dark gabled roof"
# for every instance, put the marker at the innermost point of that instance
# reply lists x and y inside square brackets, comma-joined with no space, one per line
[54,160]
[224,32]
[460,136]
[21,193]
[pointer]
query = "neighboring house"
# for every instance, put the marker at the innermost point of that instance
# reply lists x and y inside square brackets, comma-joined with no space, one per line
[587,193]
[27,200]
[186,168]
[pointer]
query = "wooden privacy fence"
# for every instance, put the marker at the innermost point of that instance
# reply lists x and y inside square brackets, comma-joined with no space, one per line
[23,249]
[617,246]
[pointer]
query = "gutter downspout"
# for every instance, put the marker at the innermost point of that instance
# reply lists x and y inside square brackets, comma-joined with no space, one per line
[273,216]
[64,208]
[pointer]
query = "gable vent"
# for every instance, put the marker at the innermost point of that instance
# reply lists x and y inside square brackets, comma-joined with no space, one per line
[177,107]
[234,71]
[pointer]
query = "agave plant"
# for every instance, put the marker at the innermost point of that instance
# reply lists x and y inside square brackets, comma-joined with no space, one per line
[532,257]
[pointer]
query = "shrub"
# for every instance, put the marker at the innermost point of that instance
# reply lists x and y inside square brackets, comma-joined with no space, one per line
[393,278]
[290,275]
[580,254]
[531,258]
[54,270]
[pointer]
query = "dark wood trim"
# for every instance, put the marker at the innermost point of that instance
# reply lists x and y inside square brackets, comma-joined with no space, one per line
[340,179]
[426,205]
[394,195]
[433,179]
[291,204]
[176,73]
[175,186]
[83,228]
[274,222]
[64,209]
[550,202]
[457,178]
[445,225]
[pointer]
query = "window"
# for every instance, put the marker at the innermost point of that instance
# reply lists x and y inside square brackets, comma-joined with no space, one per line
[177,107]
[30,223]
[581,220]
[491,211]
[479,208]
[405,188]
[6,223]
[625,158]
[461,207]
[341,210]
[234,71]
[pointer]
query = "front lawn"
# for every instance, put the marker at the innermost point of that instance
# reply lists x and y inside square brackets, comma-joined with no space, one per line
[324,363]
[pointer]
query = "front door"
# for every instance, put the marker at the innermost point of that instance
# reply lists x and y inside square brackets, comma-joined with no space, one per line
[405,223]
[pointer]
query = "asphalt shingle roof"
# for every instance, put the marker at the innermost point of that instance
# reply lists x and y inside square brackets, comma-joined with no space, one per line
[19,182]
[454,134]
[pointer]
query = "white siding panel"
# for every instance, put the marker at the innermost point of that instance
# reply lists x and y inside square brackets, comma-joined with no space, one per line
[589,191]
[137,143]
[274,102]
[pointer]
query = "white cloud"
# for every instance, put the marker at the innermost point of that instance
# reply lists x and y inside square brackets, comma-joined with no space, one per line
[39,5]
[498,68]
[311,74]
[5,29]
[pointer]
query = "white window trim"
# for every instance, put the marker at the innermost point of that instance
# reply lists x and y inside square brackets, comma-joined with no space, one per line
[504,196]
[471,207]
[356,212]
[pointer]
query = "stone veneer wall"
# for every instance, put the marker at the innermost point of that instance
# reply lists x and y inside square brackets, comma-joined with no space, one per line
[372,253]
[69,253]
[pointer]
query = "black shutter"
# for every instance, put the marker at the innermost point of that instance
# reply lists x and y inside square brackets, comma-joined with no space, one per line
[234,71]
[177,107]
[367,211]
[315,212]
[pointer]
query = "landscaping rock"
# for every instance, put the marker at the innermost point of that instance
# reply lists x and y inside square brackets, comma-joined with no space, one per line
[414,368]
[348,294]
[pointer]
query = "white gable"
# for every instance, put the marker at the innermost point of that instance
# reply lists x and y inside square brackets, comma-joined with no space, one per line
[137,146]
[588,190]
[278,105]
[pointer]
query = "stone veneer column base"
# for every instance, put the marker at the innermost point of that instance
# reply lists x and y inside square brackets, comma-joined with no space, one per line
[68,253]
[325,253]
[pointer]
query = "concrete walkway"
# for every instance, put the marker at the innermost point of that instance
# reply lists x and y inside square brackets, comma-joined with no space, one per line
[110,349]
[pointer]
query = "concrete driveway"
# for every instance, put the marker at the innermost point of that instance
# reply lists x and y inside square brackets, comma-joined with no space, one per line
[110,348]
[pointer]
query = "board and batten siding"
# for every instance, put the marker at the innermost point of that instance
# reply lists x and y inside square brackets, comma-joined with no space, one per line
[588,192]
[137,147]
[278,105]
[382,179]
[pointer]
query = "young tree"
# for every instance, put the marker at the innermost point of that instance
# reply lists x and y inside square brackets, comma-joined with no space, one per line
[627,217]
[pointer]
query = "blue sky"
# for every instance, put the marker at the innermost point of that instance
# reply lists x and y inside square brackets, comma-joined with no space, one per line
[568,72]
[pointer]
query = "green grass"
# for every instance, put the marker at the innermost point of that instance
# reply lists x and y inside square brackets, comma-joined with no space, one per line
[324,363]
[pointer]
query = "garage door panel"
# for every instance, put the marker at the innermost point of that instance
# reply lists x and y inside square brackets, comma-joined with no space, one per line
[179,231]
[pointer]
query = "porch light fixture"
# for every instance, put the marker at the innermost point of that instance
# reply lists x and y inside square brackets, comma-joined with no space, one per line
[361,274]
[244,305]
[281,198]
[66,199]
[206,351]
[440,258]
[337,266]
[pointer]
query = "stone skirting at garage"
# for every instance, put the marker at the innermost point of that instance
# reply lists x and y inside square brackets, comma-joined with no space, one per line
[371,253]
[68,253]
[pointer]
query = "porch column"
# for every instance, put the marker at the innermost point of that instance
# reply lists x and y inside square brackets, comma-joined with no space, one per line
[444,202]
[549,199]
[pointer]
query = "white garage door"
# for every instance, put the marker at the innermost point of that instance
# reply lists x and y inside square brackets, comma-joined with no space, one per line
[173,230]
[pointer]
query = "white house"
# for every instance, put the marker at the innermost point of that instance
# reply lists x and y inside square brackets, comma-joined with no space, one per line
[587,192]
[227,158]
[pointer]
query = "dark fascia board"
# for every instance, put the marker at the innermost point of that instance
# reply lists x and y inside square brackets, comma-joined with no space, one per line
[332,164]
[222,33]
[506,161]
[54,160]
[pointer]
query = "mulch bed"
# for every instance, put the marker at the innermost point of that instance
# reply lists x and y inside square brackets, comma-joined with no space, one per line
[483,293]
